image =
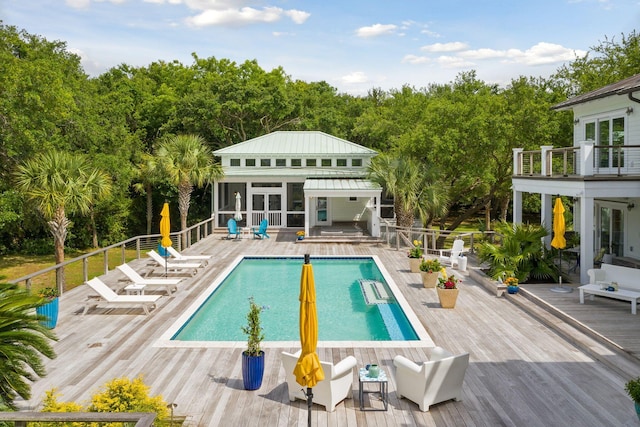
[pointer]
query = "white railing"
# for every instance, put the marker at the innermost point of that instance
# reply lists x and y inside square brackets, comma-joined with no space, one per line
[585,160]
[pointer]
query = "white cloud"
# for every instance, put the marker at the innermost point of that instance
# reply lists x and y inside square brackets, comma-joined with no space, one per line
[243,16]
[376,30]
[445,47]
[297,16]
[355,77]
[414,59]
[539,54]
[454,62]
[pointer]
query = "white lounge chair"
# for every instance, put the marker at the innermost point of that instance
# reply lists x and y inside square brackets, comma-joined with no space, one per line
[176,267]
[108,296]
[177,256]
[168,284]
[434,381]
[453,254]
[336,386]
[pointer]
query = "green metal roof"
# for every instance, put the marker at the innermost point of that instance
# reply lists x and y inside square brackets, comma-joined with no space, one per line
[350,186]
[296,143]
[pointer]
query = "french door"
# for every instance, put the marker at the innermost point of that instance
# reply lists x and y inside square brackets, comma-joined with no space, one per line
[267,205]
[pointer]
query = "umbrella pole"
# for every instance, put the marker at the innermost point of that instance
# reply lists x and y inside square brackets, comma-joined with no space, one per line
[309,405]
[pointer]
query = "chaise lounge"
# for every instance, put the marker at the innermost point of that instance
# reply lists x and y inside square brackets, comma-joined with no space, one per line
[180,257]
[168,284]
[107,296]
[175,267]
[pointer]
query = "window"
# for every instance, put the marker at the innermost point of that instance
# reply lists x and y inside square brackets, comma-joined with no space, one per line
[250,162]
[234,162]
[281,163]
[265,162]
[356,162]
[341,163]
[296,163]
[607,132]
[311,162]
[326,163]
[295,196]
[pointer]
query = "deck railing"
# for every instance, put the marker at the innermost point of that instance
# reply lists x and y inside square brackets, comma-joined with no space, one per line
[587,159]
[20,419]
[139,244]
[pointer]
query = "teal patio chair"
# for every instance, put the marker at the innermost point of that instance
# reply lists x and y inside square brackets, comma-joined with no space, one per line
[233,228]
[261,232]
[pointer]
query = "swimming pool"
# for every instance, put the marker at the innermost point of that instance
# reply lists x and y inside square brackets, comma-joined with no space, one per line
[357,302]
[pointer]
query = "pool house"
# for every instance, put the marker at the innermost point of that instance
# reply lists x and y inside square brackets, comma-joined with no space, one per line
[297,179]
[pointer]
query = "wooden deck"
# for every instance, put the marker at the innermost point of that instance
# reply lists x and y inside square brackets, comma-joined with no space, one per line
[522,372]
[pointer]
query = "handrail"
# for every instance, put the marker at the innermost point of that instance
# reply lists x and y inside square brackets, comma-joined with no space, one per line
[194,234]
[141,419]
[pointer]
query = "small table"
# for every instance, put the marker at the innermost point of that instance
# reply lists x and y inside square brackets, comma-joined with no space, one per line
[381,380]
[135,289]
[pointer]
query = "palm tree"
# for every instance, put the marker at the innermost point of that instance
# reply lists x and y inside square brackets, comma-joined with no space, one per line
[412,185]
[23,341]
[188,162]
[147,174]
[58,184]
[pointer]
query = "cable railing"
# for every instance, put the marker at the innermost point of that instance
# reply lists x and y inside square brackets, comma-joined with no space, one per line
[132,248]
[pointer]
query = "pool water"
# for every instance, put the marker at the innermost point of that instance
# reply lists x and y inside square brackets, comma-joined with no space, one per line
[274,283]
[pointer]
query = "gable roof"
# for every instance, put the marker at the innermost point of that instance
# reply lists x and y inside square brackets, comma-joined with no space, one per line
[300,143]
[623,87]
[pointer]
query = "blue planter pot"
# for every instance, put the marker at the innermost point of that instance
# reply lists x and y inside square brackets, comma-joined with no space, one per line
[162,251]
[252,371]
[513,289]
[637,409]
[50,310]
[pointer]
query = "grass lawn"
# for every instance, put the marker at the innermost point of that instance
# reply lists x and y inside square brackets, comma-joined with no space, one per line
[15,266]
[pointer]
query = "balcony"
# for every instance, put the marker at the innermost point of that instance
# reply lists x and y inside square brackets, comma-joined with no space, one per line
[586,161]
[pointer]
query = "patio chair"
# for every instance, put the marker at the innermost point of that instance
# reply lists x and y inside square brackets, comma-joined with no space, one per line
[168,284]
[336,386]
[437,380]
[453,254]
[109,297]
[175,267]
[180,257]
[234,230]
[261,232]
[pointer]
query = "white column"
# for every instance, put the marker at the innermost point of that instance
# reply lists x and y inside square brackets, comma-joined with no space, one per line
[587,237]
[546,216]
[517,207]
[545,161]
[307,210]
[586,157]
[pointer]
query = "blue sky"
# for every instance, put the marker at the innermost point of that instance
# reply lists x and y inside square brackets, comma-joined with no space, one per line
[354,45]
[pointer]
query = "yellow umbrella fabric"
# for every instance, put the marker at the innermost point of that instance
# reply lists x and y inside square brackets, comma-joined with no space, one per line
[165,226]
[308,370]
[558,242]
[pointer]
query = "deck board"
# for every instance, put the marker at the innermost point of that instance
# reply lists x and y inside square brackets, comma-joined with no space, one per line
[521,371]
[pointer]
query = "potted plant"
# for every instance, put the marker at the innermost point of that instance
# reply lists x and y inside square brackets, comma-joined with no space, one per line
[633,390]
[512,284]
[448,291]
[430,271]
[49,307]
[300,235]
[253,356]
[415,256]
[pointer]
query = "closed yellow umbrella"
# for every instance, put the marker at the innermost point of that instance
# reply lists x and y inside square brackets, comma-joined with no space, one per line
[308,370]
[165,226]
[558,242]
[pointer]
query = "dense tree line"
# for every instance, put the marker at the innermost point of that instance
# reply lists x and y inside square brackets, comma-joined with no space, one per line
[462,132]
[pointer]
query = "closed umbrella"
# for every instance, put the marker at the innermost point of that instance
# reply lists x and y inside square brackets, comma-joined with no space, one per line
[165,232]
[308,370]
[559,242]
[238,214]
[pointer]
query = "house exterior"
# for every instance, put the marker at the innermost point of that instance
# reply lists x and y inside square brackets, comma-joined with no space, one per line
[600,173]
[297,179]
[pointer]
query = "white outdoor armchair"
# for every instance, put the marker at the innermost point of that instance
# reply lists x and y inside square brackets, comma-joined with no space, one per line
[451,256]
[434,381]
[336,386]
